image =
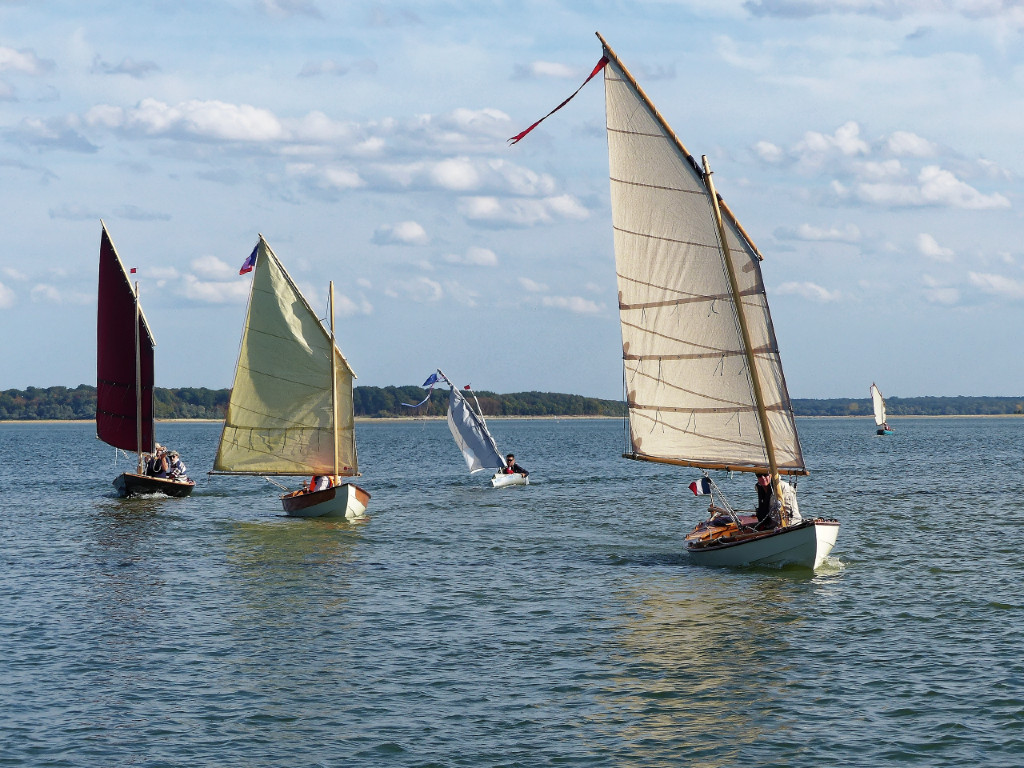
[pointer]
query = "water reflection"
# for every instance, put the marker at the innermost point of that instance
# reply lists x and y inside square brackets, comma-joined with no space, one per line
[703,665]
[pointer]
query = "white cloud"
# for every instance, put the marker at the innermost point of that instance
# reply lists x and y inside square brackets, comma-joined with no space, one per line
[212,268]
[809,291]
[939,293]
[7,297]
[940,187]
[347,307]
[770,153]
[402,233]
[14,274]
[547,69]
[474,257]
[326,176]
[815,149]
[575,304]
[421,290]
[25,62]
[929,246]
[519,212]
[43,292]
[849,233]
[214,292]
[997,285]
[532,285]
[907,143]
[934,187]
[217,120]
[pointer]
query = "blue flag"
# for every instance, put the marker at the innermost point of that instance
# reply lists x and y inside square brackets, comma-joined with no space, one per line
[249,263]
[430,382]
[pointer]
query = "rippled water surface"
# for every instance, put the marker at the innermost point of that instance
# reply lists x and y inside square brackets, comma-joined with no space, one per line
[556,624]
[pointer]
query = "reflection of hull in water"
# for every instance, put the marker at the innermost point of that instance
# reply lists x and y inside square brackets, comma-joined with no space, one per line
[501,480]
[347,499]
[131,484]
[806,544]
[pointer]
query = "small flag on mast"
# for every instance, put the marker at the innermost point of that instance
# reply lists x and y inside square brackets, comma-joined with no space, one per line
[133,270]
[701,487]
[249,263]
[467,387]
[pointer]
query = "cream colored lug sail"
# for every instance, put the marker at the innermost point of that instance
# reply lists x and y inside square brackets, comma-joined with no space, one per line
[879,405]
[689,389]
[280,417]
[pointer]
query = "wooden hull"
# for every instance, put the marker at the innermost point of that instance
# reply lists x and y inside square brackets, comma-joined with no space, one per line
[347,500]
[805,544]
[131,484]
[501,480]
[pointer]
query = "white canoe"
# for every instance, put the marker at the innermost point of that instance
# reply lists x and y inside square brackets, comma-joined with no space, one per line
[501,480]
[347,499]
[806,544]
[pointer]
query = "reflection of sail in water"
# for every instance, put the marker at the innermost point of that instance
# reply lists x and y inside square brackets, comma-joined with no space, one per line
[288,574]
[707,659]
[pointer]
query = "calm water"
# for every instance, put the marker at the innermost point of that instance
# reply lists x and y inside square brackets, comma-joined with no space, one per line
[557,624]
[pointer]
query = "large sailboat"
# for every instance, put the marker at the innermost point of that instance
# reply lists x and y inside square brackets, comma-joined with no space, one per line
[474,439]
[291,411]
[124,375]
[701,366]
[878,404]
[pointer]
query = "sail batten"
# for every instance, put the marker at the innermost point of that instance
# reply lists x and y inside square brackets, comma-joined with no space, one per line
[280,418]
[692,307]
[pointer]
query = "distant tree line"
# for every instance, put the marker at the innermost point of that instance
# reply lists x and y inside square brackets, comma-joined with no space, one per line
[386,402]
[383,402]
[913,406]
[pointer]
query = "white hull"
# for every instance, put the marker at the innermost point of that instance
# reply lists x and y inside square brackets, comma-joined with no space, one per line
[346,500]
[501,480]
[806,545]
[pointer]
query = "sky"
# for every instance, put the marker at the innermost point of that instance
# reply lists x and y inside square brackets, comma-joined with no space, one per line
[871,148]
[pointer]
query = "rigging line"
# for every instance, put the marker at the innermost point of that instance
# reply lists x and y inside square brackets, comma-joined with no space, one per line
[279,485]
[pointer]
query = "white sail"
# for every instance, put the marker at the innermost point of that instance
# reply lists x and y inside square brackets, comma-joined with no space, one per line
[471,435]
[689,387]
[879,405]
[280,419]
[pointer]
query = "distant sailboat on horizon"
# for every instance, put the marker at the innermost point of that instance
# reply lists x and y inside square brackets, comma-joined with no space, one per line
[291,411]
[878,404]
[124,376]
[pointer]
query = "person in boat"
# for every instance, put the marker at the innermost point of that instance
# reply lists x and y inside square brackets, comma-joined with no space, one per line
[320,483]
[157,464]
[885,425]
[511,468]
[176,468]
[765,521]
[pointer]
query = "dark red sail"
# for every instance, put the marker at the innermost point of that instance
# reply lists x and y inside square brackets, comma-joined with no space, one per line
[115,358]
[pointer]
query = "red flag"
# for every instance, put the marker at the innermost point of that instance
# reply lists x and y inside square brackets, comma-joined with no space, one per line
[133,270]
[467,387]
[600,65]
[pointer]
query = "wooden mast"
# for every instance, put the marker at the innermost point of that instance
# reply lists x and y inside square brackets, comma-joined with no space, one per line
[138,385]
[334,387]
[719,207]
[748,349]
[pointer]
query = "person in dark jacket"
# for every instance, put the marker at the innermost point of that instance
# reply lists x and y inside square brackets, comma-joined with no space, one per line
[511,468]
[764,502]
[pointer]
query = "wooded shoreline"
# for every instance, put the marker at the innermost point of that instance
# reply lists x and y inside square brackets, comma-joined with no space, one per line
[383,403]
